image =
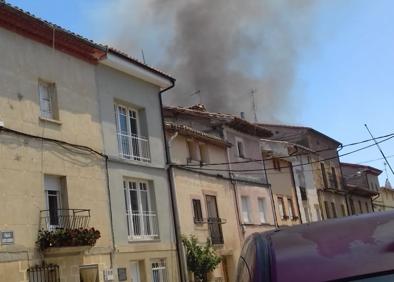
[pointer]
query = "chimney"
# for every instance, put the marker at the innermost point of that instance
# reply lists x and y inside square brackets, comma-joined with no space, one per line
[242,114]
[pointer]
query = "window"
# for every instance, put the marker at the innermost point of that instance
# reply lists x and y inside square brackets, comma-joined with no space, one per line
[141,215]
[240,148]
[324,175]
[245,209]
[131,144]
[303,193]
[53,200]
[159,271]
[192,148]
[262,205]
[326,207]
[360,206]
[276,164]
[343,210]
[352,208]
[197,211]
[281,207]
[317,209]
[47,95]
[334,178]
[204,155]
[291,208]
[334,210]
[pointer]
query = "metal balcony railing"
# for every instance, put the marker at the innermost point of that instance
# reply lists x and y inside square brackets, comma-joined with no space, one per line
[134,147]
[64,219]
[142,226]
[215,230]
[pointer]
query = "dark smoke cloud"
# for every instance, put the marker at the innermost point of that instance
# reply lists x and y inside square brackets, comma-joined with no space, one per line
[222,48]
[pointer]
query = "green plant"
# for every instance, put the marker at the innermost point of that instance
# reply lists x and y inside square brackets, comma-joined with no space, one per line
[67,238]
[201,259]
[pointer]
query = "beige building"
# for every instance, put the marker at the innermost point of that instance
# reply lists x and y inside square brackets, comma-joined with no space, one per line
[385,200]
[52,176]
[82,146]
[362,186]
[324,161]
[205,200]
[243,159]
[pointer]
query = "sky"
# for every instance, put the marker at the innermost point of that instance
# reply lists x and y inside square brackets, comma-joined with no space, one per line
[344,76]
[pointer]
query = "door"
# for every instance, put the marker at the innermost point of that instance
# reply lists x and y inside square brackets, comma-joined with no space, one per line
[214,224]
[88,273]
[52,186]
[135,272]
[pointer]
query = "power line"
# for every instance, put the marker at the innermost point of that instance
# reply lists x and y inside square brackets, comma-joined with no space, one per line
[380,149]
[265,169]
[285,157]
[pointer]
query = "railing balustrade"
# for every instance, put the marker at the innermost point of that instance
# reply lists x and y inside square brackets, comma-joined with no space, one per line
[142,226]
[134,147]
[64,219]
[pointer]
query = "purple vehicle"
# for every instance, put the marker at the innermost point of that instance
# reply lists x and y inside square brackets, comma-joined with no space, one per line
[356,248]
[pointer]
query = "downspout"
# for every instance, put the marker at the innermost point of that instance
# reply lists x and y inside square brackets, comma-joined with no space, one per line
[271,194]
[110,212]
[179,248]
[234,185]
[295,190]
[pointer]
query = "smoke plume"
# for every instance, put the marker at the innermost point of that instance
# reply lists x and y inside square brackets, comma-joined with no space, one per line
[223,53]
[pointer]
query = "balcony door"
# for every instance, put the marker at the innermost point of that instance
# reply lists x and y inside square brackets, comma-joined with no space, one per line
[127,123]
[141,215]
[214,223]
[52,186]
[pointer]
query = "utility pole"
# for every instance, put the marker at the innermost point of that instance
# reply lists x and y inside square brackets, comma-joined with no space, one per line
[254,104]
[380,149]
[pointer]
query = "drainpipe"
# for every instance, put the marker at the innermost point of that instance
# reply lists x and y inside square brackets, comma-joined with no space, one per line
[234,185]
[171,182]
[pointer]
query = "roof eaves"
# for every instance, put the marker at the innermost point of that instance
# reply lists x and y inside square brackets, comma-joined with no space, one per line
[186,130]
[132,60]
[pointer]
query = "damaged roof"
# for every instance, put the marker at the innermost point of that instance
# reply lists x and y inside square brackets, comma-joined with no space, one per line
[231,121]
[191,132]
[366,168]
[299,127]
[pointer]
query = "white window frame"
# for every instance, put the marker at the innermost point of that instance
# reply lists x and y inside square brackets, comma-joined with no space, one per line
[159,270]
[128,137]
[281,207]
[141,186]
[245,206]
[262,209]
[50,100]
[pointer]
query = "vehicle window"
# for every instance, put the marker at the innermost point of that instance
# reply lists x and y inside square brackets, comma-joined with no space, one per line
[247,260]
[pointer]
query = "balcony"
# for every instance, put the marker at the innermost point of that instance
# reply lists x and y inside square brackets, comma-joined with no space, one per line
[142,226]
[133,147]
[64,219]
[65,231]
[215,230]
